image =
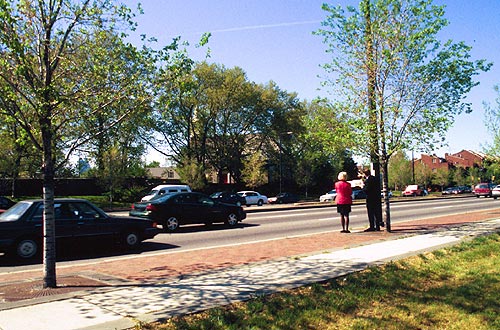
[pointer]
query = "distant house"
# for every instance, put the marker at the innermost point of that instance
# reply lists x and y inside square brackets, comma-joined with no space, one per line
[465,159]
[163,173]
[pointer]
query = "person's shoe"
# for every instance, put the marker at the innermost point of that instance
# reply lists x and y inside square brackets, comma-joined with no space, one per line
[347,231]
[343,231]
[381,224]
[369,229]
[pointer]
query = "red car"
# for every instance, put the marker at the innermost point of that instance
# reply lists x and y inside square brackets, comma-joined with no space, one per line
[414,190]
[483,189]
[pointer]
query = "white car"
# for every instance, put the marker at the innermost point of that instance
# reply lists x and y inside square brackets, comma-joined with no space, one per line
[329,196]
[253,197]
[495,192]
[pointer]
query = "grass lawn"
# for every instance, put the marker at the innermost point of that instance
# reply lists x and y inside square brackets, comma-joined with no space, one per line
[453,288]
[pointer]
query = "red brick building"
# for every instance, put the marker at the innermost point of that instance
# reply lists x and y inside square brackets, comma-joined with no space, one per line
[465,159]
[432,162]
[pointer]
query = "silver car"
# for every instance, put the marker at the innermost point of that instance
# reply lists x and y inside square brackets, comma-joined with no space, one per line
[495,192]
[329,196]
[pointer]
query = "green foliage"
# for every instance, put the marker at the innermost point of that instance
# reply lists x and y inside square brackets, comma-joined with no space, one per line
[193,174]
[492,122]
[441,177]
[253,172]
[420,83]
[399,171]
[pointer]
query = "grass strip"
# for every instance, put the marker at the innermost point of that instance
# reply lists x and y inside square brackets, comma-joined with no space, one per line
[452,288]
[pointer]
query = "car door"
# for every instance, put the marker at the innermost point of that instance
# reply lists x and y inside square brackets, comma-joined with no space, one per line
[251,198]
[66,220]
[90,223]
[189,209]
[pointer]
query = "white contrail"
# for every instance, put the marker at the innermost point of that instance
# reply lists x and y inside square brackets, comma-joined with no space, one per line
[264,26]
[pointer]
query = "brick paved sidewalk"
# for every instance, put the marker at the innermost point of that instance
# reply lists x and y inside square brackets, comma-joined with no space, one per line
[26,287]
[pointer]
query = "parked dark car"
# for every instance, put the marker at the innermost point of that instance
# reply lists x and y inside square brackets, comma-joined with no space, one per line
[21,226]
[5,203]
[358,194]
[228,198]
[452,191]
[284,197]
[174,210]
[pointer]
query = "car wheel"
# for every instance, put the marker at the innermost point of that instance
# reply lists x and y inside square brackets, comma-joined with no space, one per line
[171,224]
[260,202]
[494,197]
[131,239]
[231,220]
[26,248]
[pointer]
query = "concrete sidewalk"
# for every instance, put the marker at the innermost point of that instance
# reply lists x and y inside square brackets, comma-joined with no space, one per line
[122,306]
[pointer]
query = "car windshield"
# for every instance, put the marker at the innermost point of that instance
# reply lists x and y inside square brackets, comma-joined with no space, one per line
[15,212]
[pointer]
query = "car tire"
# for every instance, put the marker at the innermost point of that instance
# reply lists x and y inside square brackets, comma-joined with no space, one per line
[131,239]
[260,202]
[26,248]
[231,220]
[495,197]
[171,224]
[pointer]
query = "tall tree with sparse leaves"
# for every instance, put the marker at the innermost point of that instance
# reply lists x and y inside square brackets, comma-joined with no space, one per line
[415,84]
[62,63]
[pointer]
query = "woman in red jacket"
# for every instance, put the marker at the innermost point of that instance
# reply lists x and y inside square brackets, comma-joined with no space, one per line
[343,200]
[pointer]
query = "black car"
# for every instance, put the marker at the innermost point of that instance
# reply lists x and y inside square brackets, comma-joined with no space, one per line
[177,209]
[452,191]
[358,194]
[228,198]
[21,226]
[284,197]
[5,203]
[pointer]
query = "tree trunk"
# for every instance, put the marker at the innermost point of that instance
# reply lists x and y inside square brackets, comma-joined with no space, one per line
[385,190]
[49,224]
[372,105]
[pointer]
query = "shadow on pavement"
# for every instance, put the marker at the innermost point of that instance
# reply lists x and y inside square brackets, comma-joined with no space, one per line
[72,252]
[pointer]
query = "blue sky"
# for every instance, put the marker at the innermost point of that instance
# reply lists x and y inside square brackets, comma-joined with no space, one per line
[272,40]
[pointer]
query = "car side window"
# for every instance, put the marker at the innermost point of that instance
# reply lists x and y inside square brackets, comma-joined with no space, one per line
[38,215]
[205,201]
[84,211]
[64,211]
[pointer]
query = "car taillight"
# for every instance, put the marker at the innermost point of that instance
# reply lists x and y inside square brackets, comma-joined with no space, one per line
[132,206]
[154,225]
[151,207]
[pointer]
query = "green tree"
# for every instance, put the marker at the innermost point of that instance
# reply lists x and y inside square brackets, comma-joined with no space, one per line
[399,175]
[254,172]
[492,122]
[395,80]
[441,177]
[61,63]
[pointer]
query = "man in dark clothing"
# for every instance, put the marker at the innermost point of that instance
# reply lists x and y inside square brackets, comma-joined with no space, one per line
[373,201]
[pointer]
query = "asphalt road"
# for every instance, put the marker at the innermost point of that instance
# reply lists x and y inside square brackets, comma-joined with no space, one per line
[278,224]
[267,223]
